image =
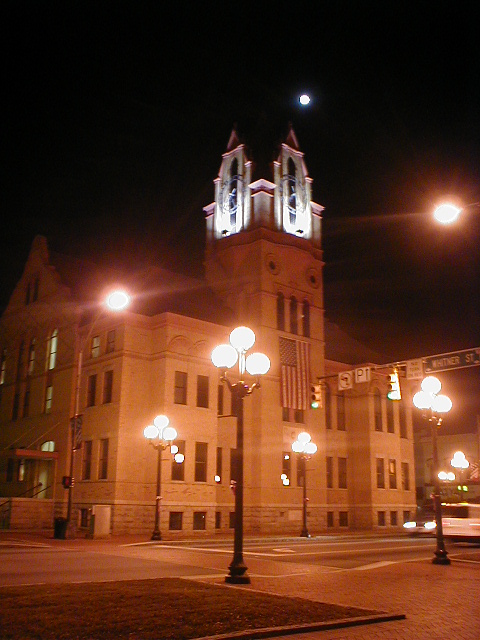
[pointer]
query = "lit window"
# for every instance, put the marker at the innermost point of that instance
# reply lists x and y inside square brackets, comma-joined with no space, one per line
[52,349]
[95,350]
[49,445]
[392,474]
[48,398]
[3,366]
[31,357]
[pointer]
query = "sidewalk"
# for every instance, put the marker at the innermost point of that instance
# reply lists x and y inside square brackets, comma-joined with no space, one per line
[439,602]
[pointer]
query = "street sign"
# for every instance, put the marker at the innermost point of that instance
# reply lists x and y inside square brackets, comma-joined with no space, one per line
[345,380]
[455,360]
[414,369]
[362,374]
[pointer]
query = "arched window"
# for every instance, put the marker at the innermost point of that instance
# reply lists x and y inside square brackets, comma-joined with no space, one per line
[233,195]
[293,315]
[280,311]
[306,318]
[49,445]
[291,186]
[52,349]
[377,409]
[328,407]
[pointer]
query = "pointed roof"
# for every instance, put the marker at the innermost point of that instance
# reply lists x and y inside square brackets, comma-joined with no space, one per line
[234,140]
[291,139]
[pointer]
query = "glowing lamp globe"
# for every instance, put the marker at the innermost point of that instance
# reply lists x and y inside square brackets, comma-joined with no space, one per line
[304,437]
[257,364]
[151,432]
[422,400]
[169,433]
[446,213]
[310,448]
[430,384]
[298,446]
[118,300]
[224,356]
[242,339]
[161,422]
[441,404]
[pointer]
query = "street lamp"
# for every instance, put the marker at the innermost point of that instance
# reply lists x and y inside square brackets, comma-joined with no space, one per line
[305,448]
[115,301]
[460,463]
[429,400]
[448,212]
[256,364]
[160,435]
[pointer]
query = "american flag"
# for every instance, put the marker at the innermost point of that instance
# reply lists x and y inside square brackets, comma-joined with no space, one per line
[295,373]
[474,471]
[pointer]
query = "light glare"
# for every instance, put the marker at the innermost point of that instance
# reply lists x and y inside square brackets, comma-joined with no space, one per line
[118,300]
[304,99]
[446,213]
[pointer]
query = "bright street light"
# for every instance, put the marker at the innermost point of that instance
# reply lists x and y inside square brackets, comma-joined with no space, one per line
[446,213]
[305,448]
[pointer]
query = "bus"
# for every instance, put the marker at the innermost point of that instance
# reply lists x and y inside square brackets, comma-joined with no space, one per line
[461,522]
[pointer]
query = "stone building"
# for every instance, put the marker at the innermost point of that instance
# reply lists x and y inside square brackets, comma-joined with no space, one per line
[63,354]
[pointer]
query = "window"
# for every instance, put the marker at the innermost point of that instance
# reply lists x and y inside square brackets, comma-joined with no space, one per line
[20,360]
[381,518]
[26,402]
[343,518]
[87,460]
[377,409]
[405,476]
[48,445]
[280,312]
[95,347]
[202,391]
[52,350]
[201,449]
[48,398]
[36,286]
[84,518]
[219,462]
[299,416]
[180,391]
[301,467]
[285,414]
[393,518]
[392,474]
[110,348]
[341,412]
[328,407]
[3,366]
[220,397]
[10,469]
[329,472]
[175,520]
[390,418]
[231,519]
[293,315]
[199,519]
[218,519]
[403,419]
[380,473]
[16,403]
[107,386]
[233,465]
[306,318]
[342,473]
[103,460]
[178,470]
[31,357]
[91,390]
[330,519]
[406,516]
[21,470]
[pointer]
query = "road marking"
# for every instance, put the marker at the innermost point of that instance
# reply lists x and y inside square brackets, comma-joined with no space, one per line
[374,565]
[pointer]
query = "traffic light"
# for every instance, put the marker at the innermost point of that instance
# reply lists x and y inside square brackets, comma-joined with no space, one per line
[67,482]
[394,392]
[316,396]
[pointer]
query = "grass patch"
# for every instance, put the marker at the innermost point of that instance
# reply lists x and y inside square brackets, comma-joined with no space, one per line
[160,609]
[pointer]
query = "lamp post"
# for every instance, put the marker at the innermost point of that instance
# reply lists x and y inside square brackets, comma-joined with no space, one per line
[160,435]
[461,464]
[304,448]
[429,400]
[224,357]
[115,301]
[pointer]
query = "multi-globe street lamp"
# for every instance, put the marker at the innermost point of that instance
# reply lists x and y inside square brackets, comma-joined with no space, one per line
[304,448]
[432,403]
[116,301]
[225,356]
[161,436]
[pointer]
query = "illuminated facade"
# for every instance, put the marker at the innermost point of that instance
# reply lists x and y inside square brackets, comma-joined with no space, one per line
[263,268]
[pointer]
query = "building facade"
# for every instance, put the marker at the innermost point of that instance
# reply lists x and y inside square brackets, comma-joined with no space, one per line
[63,356]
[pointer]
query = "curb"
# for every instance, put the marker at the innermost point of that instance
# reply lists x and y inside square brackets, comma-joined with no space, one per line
[272,632]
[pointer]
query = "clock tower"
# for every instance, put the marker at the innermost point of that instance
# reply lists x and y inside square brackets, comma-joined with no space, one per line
[264,259]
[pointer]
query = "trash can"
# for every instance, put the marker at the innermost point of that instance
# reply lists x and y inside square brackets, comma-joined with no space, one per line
[60,528]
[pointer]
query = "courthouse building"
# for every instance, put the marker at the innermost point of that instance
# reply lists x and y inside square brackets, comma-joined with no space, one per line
[63,353]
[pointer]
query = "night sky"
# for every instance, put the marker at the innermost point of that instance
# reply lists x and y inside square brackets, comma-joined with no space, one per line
[115,116]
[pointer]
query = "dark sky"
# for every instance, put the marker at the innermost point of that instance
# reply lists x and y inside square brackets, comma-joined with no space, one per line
[115,116]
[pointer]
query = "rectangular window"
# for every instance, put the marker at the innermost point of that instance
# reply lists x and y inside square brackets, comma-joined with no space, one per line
[329,472]
[180,391]
[218,519]
[286,468]
[201,449]
[285,414]
[26,402]
[21,470]
[233,465]
[10,469]
[393,518]
[403,420]
[31,358]
[380,473]
[175,520]
[342,473]
[103,460]
[178,470]
[343,518]
[406,516]
[84,518]
[219,464]
[231,519]
[220,400]
[95,349]
[381,518]
[405,476]
[392,474]
[87,460]
[91,390]
[48,398]
[341,413]
[110,348]
[3,367]
[202,391]
[107,386]
[330,522]
[52,350]
[299,415]
[16,404]
[199,520]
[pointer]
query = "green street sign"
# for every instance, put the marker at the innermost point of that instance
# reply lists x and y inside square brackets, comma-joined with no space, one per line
[455,360]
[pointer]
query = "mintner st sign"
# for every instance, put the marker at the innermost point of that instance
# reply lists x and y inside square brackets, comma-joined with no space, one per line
[455,360]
